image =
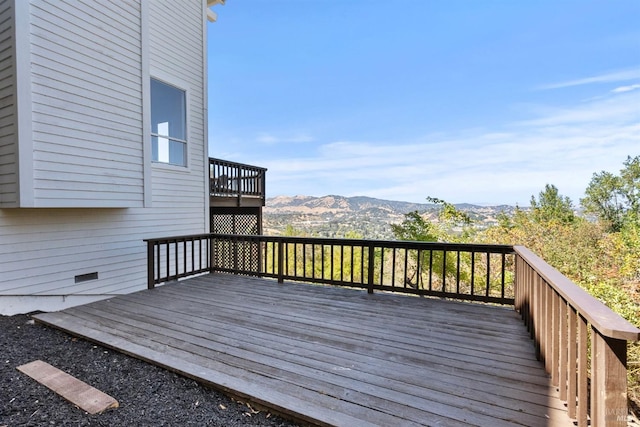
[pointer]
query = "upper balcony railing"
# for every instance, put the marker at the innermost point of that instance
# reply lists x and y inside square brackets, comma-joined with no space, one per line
[582,343]
[236,181]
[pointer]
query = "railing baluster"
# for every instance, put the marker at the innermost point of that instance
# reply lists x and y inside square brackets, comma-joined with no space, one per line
[362,264]
[193,258]
[295,259]
[332,261]
[531,277]
[168,259]
[457,272]
[547,332]
[381,266]
[150,272]
[555,338]
[393,267]
[352,265]
[304,260]
[341,263]
[322,262]
[418,269]
[406,268]
[473,272]
[583,396]
[539,317]
[313,260]
[184,256]
[444,271]
[176,248]
[563,353]
[502,280]
[430,270]
[488,284]
[572,367]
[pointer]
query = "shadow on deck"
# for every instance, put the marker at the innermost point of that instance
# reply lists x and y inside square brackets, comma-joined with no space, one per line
[332,356]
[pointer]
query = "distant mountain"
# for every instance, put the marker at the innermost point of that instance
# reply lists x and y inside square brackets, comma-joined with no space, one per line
[334,216]
[333,203]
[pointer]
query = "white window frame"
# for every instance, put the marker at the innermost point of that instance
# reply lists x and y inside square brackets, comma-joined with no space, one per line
[183,88]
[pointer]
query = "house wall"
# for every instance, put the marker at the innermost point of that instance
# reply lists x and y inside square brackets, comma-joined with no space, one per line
[175,57]
[75,138]
[8,117]
[86,86]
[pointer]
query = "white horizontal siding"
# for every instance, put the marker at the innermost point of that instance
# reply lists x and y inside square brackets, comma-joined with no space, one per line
[44,249]
[86,89]
[177,56]
[8,137]
[87,110]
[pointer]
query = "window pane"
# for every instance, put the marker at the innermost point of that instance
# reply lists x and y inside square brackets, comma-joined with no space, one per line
[177,153]
[165,150]
[154,149]
[168,110]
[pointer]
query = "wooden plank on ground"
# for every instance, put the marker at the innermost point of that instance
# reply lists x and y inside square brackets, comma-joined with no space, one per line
[81,394]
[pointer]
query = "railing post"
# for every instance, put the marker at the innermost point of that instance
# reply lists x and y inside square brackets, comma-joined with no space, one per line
[370,267]
[211,254]
[150,265]
[261,268]
[281,261]
[609,382]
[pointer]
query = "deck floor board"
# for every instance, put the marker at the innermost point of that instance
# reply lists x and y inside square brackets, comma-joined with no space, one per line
[333,356]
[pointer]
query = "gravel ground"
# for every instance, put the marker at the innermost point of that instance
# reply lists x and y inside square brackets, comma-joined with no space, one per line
[148,395]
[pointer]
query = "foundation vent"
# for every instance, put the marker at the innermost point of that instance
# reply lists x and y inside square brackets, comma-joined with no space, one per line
[86,277]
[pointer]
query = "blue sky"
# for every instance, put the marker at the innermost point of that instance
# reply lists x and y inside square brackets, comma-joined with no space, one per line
[468,101]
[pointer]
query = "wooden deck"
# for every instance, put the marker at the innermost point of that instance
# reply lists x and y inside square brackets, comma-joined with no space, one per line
[333,356]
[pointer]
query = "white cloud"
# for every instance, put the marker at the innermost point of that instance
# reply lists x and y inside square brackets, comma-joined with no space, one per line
[626,88]
[267,138]
[563,147]
[614,76]
[621,107]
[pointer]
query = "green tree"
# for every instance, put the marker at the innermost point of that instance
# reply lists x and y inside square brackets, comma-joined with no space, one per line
[291,231]
[449,214]
[630,177]
[417,227]
[603,199]
[552,206]
[615,199]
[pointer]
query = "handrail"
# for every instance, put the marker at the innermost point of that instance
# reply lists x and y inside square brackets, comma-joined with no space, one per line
[601,317]
[231,179]
[565,321]
[582,343]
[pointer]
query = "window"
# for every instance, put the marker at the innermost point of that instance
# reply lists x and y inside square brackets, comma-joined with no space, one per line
[168,124]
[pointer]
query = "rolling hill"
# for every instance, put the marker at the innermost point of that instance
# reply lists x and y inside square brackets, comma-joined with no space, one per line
[335,216]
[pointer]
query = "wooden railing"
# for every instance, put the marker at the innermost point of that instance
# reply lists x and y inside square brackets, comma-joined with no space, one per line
[582,343]
[466,272]
[566,323]
[230,179]
[174,258]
